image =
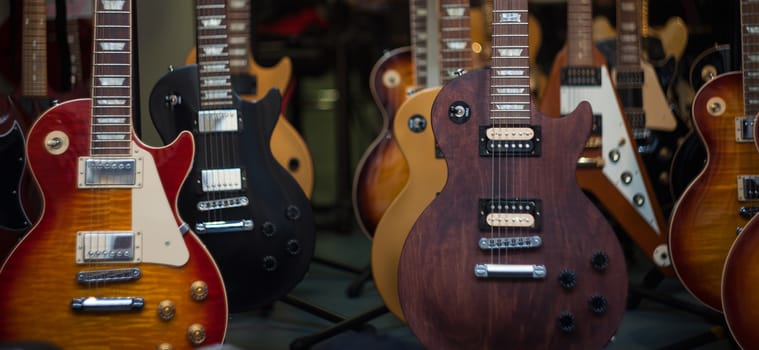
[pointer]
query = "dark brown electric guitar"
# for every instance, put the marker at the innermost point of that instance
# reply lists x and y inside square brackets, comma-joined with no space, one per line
[511,254]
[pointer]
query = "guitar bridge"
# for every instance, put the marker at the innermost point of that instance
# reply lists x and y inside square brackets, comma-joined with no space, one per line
[509,271]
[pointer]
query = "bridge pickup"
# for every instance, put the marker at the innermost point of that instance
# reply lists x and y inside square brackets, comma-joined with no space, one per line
[581,76]
[109,172]
[107,304]
[748,188]
[224,203]
[219,180]
[744,129]
[108,247]
[509,271]
[218,120]
[510,140]
[510,243]
[108,276]
[510,213]
[224,226]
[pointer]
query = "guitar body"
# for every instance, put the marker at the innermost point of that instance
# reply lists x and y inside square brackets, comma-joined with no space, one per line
[264,263]
[446,306]
[709,64]
[382,170]
[40,275]
[706,219]
[287,145]
[427,175]
[597,173]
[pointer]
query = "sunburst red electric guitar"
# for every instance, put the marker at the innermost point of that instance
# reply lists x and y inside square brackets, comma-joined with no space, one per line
[110,264]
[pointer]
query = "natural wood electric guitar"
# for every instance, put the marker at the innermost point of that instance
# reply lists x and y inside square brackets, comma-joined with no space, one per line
[248,210]
[110,265]
[716,206]
[610,168]
[413,132]
[511,254]
[252,82]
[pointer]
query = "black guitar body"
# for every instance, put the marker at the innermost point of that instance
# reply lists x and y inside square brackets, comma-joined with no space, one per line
[12,157]
[265,247]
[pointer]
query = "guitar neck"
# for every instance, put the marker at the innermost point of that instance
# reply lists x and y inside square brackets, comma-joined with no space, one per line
[455,38]
[510,69]
[213,55]
[34,49]
[424,41]
[238,14]
[112,78]
[579,33]
[750,59]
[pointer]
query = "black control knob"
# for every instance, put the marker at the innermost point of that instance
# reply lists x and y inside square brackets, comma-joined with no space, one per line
[268,229]
[598,304]
[599,260]
[292,212]
[567,322]
[293,247]
[567,278]
[269,263]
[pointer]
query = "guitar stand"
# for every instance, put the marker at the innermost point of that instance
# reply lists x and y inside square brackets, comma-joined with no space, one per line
[342,323]
[715,333]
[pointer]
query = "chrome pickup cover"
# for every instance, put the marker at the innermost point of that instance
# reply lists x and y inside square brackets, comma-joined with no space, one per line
[217,180]
[219,120]
[510,242]
[108,247]
[109,172]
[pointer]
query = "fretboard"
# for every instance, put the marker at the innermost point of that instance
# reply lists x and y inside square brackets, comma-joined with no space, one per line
[239,35]
[112,78]
[750,59]
[420,40]
[628,38]
[510,66]
[34,49]
[213,55]
[579,33]
[455,37]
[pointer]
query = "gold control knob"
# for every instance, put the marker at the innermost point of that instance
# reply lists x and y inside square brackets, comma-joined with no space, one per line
[166,310]
[199,290]
[164,346]
[196,334]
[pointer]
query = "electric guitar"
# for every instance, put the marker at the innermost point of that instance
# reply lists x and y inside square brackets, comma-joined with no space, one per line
[382,171]
[413,133]
[511,253]
[110,256]
[610,168]
[719,202]
[246,208]
[252,82]
[22,202]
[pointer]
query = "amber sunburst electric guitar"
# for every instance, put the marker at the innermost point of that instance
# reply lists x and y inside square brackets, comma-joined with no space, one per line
[511,254]
[718,203]
[413,132]
[110,265]
[252,82]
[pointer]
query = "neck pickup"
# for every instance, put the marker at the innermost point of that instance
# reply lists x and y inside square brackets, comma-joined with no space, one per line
[218,120]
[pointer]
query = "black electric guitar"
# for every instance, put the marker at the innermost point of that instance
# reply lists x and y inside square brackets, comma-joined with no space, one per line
[248,210]
[511,253]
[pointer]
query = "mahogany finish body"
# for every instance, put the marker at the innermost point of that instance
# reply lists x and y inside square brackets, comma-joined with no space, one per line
[39,277]
[382,171]
[707,216]
[446,306]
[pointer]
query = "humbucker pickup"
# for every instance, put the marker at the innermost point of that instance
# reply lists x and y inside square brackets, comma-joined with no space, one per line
[748,188]
[218,120]
[108,247]
[220,180]
[510,213]
[510,140]
[744,129]
[581,76]
[100,172]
